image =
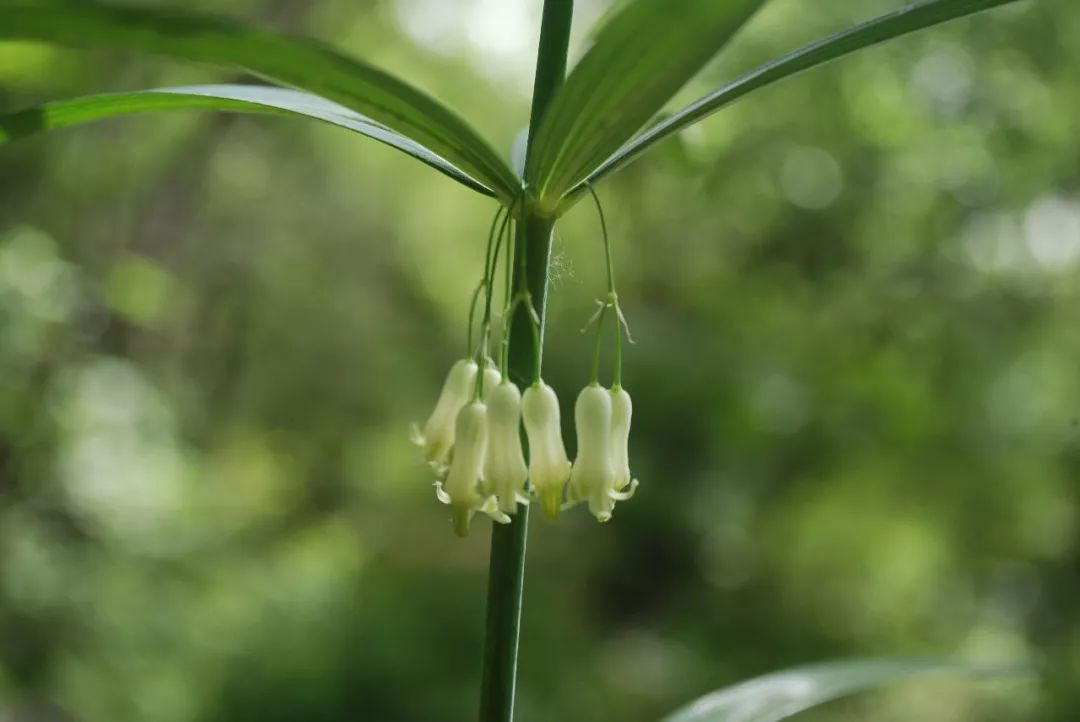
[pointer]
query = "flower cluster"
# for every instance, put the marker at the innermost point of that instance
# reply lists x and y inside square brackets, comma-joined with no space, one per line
[473,439]
[474,446]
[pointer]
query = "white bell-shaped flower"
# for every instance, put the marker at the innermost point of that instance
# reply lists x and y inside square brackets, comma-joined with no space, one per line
[593,469]
[594,475]
[549,467]
[621,411]
[462,489]
[437,438]
[505,472]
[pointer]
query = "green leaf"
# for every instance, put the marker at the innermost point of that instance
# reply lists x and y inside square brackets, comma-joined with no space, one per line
[893,25]
[641,58]
[292,61]
[234,98]
[779,695]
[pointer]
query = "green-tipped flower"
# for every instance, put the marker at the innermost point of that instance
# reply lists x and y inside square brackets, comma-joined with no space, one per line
[594,475]
[505,472]
[549,468]
[462,490]
[621,411]
[437,437]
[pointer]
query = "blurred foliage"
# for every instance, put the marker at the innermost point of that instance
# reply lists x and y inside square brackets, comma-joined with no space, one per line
[855,301]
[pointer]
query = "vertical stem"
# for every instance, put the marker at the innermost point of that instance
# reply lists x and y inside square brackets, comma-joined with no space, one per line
[550,57]
[506,574]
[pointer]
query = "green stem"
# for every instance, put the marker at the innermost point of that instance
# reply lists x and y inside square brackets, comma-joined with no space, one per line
[607,242]
[508,284]
[506,574]
[595,377]
[550,57]
[493,261]
[612,299]
[469,350]
[616,381]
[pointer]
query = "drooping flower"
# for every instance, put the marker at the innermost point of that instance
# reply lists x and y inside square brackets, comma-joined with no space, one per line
[462,488]
[437,437]
[549,467]
[594,474]
[621,411]
[505,472]
[593,471]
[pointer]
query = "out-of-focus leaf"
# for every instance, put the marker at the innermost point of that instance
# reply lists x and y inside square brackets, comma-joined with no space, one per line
[907,20]
[234,98]
[779,695]
[298,62]
[641,58]
[517,151]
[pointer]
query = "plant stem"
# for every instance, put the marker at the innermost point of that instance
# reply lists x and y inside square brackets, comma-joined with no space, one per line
[550,57]
[612,299]
[506,573]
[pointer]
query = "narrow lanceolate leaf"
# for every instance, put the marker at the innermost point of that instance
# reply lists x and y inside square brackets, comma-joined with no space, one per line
[904,21]
[641,58]
[231,98]
[782,694]
[292,61]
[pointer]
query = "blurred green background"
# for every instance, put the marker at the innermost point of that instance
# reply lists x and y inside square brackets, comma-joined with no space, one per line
[855,301]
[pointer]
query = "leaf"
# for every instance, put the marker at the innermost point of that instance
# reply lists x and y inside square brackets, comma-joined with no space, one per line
[518,149]
[234,98]
[292,61]
[901,22]
[641,58]
[779,695]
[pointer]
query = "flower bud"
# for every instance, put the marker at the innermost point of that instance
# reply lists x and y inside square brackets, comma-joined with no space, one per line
[462,487]
[438,436]
[505,472]
[621,410]
[549,467]
[593,474]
